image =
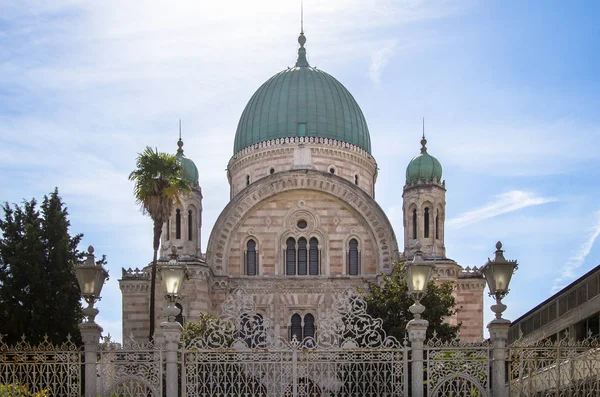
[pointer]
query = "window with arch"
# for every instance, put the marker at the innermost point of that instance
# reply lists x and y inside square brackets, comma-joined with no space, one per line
[313,257]
[426,223]
[309,326]
[302,258]
[437,225]
[247,180]
[414,224]
[190,223]
[251,258]
[177,224]
[356,179]
[353,258]
[296,327]
[302,329]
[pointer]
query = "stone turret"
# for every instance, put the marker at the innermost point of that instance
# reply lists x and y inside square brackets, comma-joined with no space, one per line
[424,205]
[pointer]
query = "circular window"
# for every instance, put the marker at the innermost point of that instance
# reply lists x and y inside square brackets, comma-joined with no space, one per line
[302,224]
[332,170]
[272,171]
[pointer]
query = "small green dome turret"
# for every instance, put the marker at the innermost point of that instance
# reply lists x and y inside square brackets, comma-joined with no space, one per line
[302,101]
[190,171]
[424,166]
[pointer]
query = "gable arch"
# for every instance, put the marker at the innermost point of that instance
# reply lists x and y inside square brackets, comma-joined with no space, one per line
[354,198]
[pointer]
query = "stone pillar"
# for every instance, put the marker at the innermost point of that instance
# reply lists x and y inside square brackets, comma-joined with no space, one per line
[172,334]
[90,334]
[416,335]
[499,336]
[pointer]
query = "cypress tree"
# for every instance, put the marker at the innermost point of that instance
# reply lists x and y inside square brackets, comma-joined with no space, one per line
[39,294]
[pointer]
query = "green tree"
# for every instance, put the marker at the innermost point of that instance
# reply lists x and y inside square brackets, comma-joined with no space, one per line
[39,294]
[158,185]
[390,301]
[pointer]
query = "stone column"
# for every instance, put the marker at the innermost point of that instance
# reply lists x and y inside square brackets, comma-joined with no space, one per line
[90,334]
[499,336]
[416,335]
[172,334]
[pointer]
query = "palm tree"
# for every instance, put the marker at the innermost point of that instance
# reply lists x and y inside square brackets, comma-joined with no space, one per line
[158,186]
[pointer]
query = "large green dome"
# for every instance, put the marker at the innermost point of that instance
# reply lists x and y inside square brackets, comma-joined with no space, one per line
[424,166]
[302,101]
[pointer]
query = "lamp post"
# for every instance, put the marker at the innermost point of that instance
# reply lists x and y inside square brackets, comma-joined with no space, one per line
[497,273]
[417,277]
[91,277]
[173,274]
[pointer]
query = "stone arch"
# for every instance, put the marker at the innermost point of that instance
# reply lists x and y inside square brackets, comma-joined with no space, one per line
[355,198]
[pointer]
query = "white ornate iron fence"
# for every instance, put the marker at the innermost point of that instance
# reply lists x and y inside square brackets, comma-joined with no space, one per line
[456,368]
[55,369]
[133,369]
[350,355]
[561,368]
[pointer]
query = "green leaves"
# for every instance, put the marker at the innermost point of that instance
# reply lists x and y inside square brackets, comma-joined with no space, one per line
[389,300]
[38,290]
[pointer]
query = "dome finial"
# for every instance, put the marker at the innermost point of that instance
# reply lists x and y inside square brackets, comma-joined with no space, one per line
[423,140]
[180,142]
[302,62]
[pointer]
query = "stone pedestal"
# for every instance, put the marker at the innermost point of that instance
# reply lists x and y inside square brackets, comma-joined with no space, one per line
[90,334]
[172,335]
[499,336]
[416,335]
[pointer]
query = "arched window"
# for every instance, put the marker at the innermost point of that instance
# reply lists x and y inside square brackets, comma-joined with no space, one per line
[302,256]
[437,226]
[247,180]
[296,327]
[426,224]
[179,316]
[168,229]
[353,258]
[356,179]
[414,224]
[309,326]
[177,224]
[251,258]
[290,257]
[190,228]
[313,257]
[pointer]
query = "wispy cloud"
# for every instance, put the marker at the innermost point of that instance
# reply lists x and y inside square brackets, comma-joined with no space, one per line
[503,203]
[379,60]
[578,257]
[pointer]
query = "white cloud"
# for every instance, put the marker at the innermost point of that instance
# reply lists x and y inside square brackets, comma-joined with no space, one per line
[379,60]
[578,257]
[507,202]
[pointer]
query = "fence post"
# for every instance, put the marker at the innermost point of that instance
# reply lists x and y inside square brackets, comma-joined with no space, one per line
[416,335]
[90,335]
[172,335]
[499,336]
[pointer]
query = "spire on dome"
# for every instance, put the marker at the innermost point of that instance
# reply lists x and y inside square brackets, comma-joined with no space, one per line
[302,61]
[180,142]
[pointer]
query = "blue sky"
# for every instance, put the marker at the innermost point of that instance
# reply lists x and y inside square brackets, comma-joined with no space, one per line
[509,90]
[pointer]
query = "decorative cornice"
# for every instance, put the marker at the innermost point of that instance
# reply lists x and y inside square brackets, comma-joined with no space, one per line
[261,154]
[359,200]
[297,140]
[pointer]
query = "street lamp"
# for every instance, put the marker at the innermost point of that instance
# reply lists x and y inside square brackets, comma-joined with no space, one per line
[91,277]
[417,277]
[497,273]
[173,274]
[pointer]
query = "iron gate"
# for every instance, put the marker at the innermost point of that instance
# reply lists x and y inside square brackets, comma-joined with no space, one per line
[240,354]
